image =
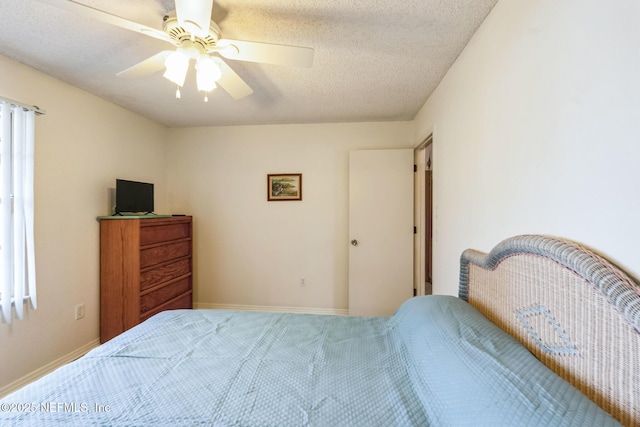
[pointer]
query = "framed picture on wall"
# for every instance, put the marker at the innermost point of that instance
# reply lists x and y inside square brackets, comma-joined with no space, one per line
[284,186]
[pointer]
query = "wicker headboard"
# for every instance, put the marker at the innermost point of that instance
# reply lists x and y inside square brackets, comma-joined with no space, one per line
[577,312]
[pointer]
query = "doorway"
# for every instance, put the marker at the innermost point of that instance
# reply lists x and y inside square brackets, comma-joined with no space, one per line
[423,213]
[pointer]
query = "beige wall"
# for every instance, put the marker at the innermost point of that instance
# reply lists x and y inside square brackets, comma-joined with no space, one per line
[253,252]
[536,130]
[82,144]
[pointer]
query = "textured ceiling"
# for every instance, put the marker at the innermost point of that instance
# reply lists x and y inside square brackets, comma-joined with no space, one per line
[375,60]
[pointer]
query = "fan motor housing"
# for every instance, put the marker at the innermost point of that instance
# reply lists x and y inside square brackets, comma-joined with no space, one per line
[180,35]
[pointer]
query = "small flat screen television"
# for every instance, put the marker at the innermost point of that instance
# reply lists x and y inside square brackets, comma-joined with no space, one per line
[133,197]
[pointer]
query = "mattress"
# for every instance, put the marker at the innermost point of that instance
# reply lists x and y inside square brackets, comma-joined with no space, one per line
[437,361]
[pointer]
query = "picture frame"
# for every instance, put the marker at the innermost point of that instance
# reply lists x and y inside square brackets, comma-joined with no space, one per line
[284,187]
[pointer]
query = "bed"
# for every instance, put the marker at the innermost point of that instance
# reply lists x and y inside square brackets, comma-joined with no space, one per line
[544,332]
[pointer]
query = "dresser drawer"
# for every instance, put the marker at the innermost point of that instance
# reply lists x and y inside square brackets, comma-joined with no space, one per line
[151,234]
[163,294]
[158,254]
[184,301]
[164,273]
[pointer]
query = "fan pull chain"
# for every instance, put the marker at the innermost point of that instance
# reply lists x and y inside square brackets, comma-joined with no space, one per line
[178,92]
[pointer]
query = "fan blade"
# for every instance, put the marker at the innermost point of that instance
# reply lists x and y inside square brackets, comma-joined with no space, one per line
[195,16]
[147,67]
[232,82]
[266,53]
[99,15]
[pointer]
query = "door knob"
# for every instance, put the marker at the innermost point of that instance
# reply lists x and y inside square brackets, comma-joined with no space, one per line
[354,242]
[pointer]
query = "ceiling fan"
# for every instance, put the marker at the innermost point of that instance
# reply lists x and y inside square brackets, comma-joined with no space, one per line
[195,36]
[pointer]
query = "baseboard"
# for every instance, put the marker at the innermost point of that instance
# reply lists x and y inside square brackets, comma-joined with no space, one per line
[273,309]
[49,367]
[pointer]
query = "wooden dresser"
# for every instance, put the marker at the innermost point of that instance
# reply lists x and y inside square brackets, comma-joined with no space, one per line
[145,268]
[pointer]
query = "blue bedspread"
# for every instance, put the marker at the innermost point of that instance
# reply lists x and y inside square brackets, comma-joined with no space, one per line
[437,362]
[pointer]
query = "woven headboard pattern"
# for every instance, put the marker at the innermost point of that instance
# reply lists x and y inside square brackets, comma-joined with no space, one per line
[578,313]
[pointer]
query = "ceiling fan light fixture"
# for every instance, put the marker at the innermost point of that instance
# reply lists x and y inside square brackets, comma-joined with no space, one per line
[177,64]
[195,16]
[207,73]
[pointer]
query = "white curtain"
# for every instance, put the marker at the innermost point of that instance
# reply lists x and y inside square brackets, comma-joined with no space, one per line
[17,252]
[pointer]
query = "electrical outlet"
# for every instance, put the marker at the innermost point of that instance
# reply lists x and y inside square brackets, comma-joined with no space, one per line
[303,282]
[79,311]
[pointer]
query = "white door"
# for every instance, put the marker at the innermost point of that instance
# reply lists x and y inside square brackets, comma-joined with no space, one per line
[380,231]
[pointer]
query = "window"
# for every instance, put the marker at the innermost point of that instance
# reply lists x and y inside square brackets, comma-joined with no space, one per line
[17,254]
